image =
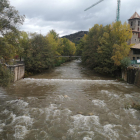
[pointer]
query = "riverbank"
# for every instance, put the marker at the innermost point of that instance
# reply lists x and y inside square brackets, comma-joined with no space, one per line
[58,62]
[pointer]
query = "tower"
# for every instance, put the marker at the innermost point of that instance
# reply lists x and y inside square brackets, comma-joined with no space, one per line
[134,22]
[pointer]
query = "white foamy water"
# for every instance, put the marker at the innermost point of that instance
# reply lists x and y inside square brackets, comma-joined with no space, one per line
[108,129]
[131,112]
[110,94]
[99,103]
[52,81]
[69,103]
[20,132]
[19,103]
[1,126]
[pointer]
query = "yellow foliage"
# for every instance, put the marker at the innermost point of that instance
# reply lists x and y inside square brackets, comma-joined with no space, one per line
[121,48]
[50,38]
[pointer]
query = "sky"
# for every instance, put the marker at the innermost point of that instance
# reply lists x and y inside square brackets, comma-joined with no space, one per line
[68,16]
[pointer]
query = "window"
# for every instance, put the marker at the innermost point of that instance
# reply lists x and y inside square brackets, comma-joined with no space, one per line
[136,51]
[138,58]
[135,40]
[138,28]
[133,58]
[131,23]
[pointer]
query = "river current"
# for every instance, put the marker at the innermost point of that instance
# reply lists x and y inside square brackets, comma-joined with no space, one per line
[69,102]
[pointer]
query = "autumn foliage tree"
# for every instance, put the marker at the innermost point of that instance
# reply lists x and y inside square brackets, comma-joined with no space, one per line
[106,47]
[41,52]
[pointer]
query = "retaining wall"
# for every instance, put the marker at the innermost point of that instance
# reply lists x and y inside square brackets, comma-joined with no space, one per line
[18,71]
[137,79]
[131,75]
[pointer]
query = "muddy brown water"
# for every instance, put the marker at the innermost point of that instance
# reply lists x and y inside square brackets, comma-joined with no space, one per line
[69,103]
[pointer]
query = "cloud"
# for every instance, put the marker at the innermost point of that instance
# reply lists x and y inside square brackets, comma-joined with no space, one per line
[68,16]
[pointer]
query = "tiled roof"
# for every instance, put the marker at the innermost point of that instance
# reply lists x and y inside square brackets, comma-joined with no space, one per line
[135,15]
[137,46]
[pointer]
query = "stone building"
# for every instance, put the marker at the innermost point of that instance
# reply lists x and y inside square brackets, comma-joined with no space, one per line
[135,52]
[134,22]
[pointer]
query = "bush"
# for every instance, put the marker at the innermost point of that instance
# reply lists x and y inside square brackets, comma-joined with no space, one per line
[125,62]
[5,76]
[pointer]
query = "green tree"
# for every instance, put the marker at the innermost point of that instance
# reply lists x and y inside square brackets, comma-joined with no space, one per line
[39,54]
[9,22]
[9,19]
[90,54]
[105,47]
[5,76]
[69,47]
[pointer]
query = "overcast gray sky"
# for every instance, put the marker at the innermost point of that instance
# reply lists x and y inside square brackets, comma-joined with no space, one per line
[68,16]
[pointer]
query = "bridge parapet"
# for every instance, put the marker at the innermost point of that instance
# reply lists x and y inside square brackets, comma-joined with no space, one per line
[68,56]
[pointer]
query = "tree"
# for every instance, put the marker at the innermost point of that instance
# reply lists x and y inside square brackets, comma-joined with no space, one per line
[80,46]
[121,49]
[9,22]
[90,54]
[105,47]
[55,35]
[69,47]
[39,55]
[9,18]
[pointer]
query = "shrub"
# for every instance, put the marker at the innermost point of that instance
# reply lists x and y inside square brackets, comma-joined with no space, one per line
[5,76]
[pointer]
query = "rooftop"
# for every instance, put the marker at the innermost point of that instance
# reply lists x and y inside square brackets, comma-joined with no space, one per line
[135,15]
[137,46]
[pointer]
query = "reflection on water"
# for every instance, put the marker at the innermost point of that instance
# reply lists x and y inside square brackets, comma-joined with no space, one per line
[69,103]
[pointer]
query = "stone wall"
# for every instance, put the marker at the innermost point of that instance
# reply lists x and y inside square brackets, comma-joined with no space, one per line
[18,71]
[131,75]
[137,80]
[135,39]
[134,24]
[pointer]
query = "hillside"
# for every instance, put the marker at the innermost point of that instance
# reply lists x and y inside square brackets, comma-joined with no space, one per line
[76,36]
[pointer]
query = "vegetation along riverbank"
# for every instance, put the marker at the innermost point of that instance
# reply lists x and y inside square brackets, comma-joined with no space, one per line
[38,51]
[104,49]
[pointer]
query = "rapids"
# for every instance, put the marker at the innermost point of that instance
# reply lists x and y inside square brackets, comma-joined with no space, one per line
[69,103]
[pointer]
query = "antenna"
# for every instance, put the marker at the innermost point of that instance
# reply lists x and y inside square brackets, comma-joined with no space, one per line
[118,10]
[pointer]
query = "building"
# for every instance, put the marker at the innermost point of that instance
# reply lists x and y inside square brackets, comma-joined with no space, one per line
[135,52]
[134,22]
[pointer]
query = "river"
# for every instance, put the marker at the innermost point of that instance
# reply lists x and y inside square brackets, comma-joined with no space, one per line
[69,102]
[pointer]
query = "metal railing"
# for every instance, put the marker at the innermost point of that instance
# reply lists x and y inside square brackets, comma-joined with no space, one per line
[134,62]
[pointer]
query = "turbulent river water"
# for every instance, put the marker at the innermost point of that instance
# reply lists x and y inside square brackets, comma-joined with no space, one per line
[69,103]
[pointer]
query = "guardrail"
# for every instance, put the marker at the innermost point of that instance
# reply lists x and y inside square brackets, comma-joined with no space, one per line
[135,62]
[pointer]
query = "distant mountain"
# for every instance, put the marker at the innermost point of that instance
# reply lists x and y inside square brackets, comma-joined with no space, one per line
[76,36]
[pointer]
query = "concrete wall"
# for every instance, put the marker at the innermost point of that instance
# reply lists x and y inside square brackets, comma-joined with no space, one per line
[18,71]
[124,74]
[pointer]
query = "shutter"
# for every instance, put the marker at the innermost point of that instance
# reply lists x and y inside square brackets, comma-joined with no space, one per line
[139,35]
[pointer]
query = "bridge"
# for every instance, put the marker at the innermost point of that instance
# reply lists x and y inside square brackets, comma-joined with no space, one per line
[69,56]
